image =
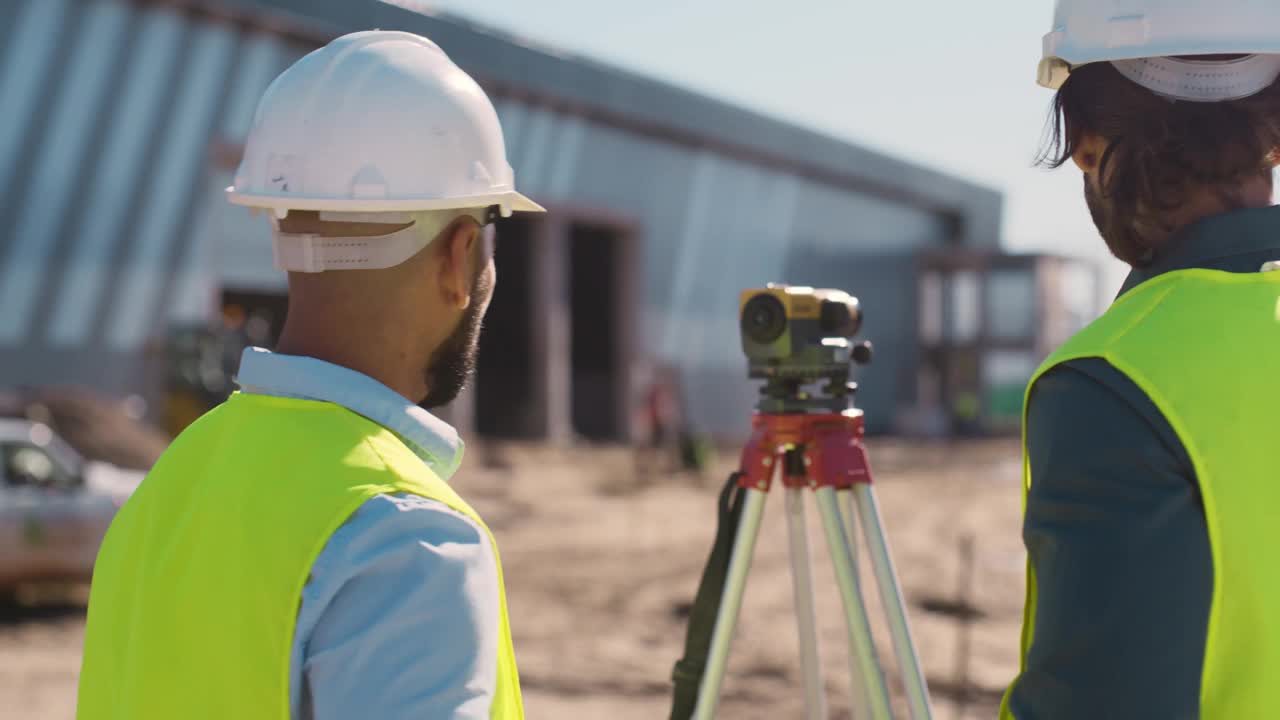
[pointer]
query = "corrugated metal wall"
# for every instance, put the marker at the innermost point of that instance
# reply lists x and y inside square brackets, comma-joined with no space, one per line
[112,221]
[712,226]
[104,150]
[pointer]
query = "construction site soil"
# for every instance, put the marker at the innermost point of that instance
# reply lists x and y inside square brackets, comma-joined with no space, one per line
[601,569]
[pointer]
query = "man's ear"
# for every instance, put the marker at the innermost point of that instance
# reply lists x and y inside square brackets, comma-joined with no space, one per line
[1088,153]
[456,257]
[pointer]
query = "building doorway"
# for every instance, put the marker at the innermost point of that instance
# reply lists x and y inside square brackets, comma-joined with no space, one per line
[601,325]
[506,399]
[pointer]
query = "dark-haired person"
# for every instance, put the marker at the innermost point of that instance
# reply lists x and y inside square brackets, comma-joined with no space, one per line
[1152,495]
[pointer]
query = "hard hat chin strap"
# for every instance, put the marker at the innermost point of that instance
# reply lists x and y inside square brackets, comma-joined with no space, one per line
[314,252]
[310,253]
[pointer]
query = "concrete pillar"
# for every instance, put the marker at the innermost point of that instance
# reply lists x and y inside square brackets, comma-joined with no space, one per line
[552,357]
[629,338]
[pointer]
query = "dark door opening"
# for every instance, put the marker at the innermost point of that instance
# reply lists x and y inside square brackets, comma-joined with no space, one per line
[598,329]
[506,400]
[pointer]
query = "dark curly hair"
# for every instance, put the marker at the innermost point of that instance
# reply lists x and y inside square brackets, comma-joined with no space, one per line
[1159,151]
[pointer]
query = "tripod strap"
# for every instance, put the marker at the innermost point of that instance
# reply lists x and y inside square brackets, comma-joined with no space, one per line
[687,674]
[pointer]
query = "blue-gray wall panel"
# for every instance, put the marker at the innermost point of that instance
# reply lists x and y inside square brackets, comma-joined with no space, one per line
[113,202]
[712,225]
[55,182]
[29,62]
[184,156]
[723,199]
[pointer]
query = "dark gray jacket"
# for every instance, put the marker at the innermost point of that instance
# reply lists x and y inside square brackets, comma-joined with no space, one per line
[1114,524]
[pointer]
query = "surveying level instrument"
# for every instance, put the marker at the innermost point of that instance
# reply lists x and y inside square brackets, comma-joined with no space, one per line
[795,337]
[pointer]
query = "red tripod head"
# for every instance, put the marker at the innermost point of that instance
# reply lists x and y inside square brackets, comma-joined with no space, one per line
[819,449]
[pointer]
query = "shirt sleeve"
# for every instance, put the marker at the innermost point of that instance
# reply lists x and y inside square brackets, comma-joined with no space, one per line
[1116,536]
[404,601]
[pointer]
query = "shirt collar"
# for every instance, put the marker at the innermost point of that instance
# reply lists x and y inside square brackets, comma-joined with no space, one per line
[1222,242]
[263,372]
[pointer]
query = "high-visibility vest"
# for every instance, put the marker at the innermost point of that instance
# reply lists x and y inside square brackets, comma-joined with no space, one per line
[197,585]
[1204,345]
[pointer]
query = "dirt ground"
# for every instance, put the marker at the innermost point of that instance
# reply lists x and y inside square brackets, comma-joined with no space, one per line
[600,572]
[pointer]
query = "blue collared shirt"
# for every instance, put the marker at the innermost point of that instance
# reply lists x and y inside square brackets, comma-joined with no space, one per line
[400,617]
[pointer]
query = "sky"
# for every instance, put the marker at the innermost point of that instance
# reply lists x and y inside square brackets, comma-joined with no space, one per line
[947,84]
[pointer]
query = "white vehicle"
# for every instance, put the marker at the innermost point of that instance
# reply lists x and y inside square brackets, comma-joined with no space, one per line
[55,506]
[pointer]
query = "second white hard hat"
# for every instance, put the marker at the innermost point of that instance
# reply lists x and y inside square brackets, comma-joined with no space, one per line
[376,121]
[1147,40]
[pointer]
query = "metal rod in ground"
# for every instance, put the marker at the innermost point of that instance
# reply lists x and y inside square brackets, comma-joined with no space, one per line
[815,697]
[862,649]
[965,616]
[891,597]
[744,544]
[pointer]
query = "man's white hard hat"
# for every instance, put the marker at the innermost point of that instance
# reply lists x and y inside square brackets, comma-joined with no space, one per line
[376,122]
[1149,42]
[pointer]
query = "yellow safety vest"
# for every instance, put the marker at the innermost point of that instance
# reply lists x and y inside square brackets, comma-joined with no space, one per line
[197,586]
[1204,345]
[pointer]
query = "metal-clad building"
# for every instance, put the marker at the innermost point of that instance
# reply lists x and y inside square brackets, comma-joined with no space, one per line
[122,124]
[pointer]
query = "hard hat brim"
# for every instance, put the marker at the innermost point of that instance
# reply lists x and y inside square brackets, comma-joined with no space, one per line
[1053,73]
[1064,53]
[520,203]
[512,200]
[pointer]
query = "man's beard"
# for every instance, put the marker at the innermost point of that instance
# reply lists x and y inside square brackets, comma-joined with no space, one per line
[454,362]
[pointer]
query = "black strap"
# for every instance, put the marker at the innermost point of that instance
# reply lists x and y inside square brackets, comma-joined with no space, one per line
[687,674]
